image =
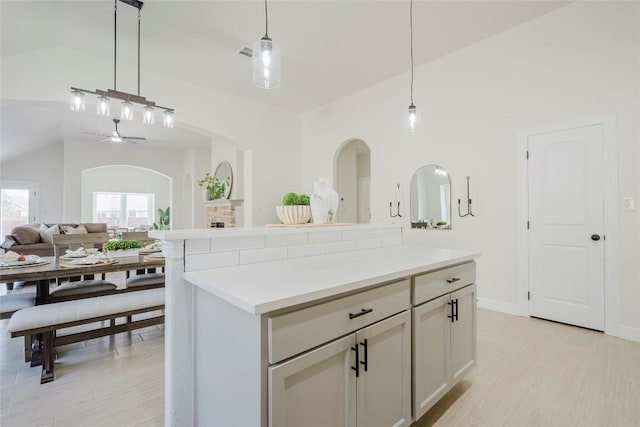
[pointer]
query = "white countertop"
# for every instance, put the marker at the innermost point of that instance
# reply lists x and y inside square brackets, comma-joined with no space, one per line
[206,233]
[266,287]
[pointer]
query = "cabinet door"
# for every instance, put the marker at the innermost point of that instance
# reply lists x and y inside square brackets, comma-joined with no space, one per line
[384,383]
[315,389]
[431,336]
[463,333]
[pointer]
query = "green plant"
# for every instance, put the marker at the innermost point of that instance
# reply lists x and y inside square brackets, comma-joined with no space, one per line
[116,245]
[207,181]
[163,221]
[441,223]
[304,199]
[292,199]
[218,188]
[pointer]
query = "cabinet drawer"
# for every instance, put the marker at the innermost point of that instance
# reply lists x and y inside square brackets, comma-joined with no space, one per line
[432,285]
[295,332]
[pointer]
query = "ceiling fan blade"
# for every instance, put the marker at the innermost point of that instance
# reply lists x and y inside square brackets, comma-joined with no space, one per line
[96,134]
[134,138]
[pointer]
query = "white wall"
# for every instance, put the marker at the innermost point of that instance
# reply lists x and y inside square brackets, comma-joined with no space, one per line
[272,134]
[580,61]
[124,179]
[45,167]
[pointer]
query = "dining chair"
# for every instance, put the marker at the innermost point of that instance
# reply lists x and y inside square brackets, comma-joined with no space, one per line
[148,277]
[79,285]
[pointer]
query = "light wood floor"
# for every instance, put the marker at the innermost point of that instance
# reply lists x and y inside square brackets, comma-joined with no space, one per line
[530,373]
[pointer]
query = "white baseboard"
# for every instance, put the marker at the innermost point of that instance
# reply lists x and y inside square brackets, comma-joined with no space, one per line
[501,306]
[629,333]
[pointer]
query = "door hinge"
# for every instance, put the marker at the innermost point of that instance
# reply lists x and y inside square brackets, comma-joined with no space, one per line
[527,225]
[527,154]
[529,296]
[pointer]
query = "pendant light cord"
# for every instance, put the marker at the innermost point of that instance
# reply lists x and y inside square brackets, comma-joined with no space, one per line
[138,52]
[266,20]
[115,44]
[411,35]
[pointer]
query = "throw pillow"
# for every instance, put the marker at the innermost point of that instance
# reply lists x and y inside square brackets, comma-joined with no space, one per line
[26,235]
[77,230]
[47,232]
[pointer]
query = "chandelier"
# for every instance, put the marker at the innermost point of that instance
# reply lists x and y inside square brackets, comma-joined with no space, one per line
[127,100]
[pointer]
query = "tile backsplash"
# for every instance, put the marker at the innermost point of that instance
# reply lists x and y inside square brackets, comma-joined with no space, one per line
[226,251]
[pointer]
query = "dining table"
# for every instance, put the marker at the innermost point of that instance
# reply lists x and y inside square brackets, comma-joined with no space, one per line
[58,268]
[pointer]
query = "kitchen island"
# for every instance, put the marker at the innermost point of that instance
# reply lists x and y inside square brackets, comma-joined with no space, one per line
[292,330]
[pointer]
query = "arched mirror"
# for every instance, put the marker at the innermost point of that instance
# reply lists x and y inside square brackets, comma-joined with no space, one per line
[430,198]
[223,178]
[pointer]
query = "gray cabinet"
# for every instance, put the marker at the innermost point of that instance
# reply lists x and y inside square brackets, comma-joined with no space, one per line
[363,379]
[444,335]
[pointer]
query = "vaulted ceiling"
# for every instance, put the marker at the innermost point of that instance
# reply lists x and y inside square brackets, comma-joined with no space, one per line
[330,49]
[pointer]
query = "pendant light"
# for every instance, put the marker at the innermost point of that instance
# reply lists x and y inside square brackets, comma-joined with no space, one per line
[266,59]
[128,100]
[412,107]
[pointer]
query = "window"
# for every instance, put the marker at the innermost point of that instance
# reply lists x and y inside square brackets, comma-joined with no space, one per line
[19,205]
[123,210]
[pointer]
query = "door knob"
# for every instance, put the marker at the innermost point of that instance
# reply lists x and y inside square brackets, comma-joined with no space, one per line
[595,237]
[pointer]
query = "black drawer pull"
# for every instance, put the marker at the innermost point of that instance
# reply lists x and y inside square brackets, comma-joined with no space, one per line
[453,279]
[362,313]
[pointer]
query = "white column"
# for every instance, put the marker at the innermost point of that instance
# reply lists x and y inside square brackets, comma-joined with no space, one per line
[178,376]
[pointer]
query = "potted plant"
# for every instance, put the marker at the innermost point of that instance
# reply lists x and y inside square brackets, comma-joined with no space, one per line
[295,209]
[212,187]
[122,248]
[163,220]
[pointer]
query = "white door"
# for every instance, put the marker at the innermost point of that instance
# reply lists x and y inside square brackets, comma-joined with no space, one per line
[364,205]
[19,205]
[566,223]
[384,380]
[317,389]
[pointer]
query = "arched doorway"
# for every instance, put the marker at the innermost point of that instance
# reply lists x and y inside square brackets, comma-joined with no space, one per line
[352,171]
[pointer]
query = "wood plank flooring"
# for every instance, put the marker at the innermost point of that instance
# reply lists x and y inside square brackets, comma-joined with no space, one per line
[530,373]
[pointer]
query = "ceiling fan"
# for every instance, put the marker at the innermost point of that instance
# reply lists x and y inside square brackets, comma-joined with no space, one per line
[116,137]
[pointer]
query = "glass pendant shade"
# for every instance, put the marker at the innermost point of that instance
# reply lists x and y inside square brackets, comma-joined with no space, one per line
[266,64]
[168,119]
[412,118]
[77,101]
[104,106]
[126,113]
[148,116]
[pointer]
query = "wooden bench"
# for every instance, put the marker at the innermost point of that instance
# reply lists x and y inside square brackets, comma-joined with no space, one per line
[43,321]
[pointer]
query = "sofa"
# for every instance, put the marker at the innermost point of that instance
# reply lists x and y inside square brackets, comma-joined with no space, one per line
[35,239]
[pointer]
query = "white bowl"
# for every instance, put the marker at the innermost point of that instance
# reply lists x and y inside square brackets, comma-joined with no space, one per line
[295,214]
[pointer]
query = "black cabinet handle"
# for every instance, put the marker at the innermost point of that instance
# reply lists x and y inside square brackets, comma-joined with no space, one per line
[361,313]
[595,237]
[456,307]
[357,367]
[453,280]
[366,361]
[451,316]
